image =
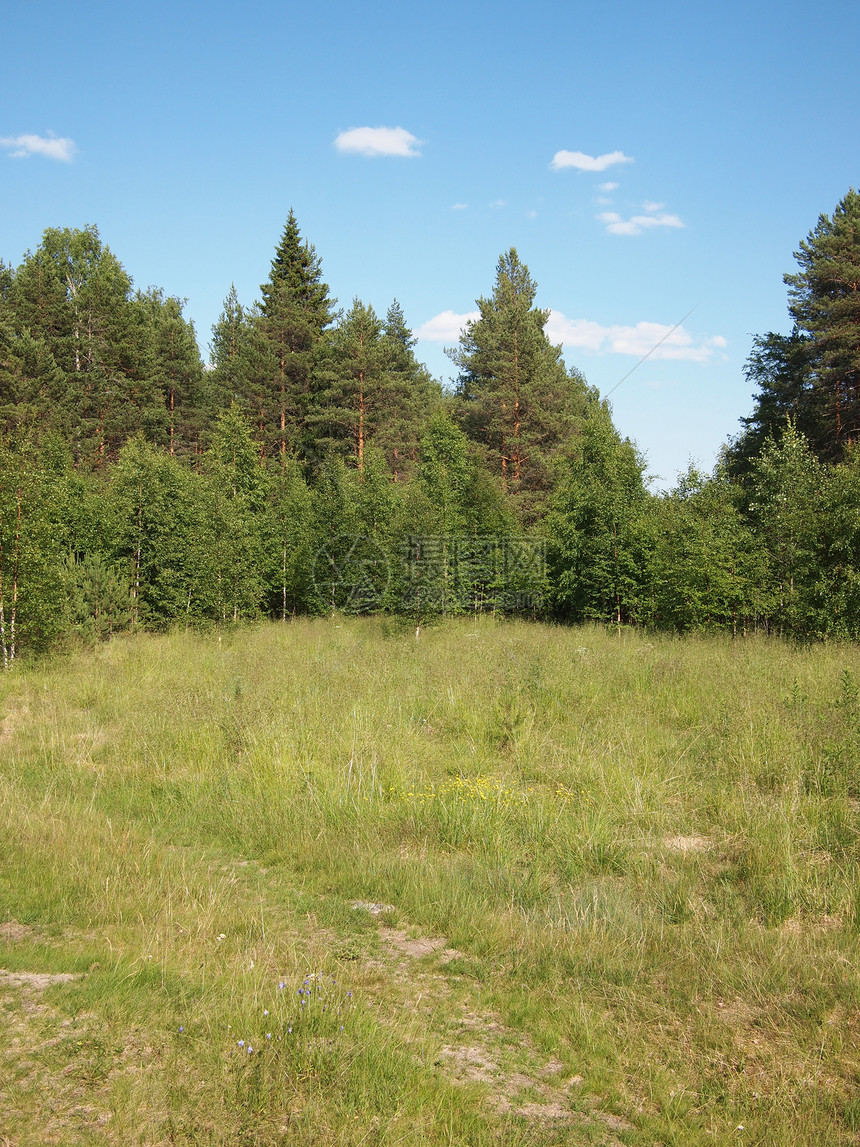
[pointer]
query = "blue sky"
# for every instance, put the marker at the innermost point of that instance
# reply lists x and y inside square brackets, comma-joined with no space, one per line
[646,161]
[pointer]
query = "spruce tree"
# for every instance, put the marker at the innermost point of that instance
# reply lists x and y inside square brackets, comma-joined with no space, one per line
[294,312]
[412,395]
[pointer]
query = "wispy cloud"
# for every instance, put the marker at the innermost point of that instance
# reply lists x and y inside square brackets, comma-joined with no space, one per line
[636,224]
[459,206]
[583,162]
[22,146]
[583,334]
[608,186]
[445,327]
[498,203]
[636,341]
[375,141]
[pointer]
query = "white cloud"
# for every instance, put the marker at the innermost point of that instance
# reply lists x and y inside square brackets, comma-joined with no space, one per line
[378,141]
[445,327]
[583,162]
[531,215]
[648,206]
[638,340]
[459,206]
[636,224]
[25,145]
[608,186]
[498,203]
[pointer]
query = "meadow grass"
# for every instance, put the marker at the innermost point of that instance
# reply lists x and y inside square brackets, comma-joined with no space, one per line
[496,883]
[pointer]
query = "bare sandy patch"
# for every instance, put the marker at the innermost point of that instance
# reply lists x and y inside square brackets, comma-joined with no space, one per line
[11,932]
[809,925]
[36,980]
[687,843]
[372,907]
[416,946]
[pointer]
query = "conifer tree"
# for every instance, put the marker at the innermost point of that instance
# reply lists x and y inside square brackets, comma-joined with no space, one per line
[824,301]
[294,312]
[74,294]
[515,396]
[813,375]
[176,369]
[352,386]
[412,396]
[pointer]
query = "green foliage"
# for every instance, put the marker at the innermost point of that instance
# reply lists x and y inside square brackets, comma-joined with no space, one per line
[317,467]
[707,568]
[31,589]
[176,370]
[813,375]
[294,313]
[515,397]
[596,526]
[99,597]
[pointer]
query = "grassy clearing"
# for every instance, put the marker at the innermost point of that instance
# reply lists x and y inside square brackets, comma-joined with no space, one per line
[520,884]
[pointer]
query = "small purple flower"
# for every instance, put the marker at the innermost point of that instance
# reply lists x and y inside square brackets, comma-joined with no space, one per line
[250,1050]
[289,1031]
[240,1042]
[281,986]
[265,1011]
[268,1035]
[182,1029]
[349,995]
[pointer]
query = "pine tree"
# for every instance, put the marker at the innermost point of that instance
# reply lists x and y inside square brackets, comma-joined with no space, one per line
[352,387]
[32,386]
[813,374]
[515,395]
[824,301]
[176,369]
[74,294]
[244,365]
